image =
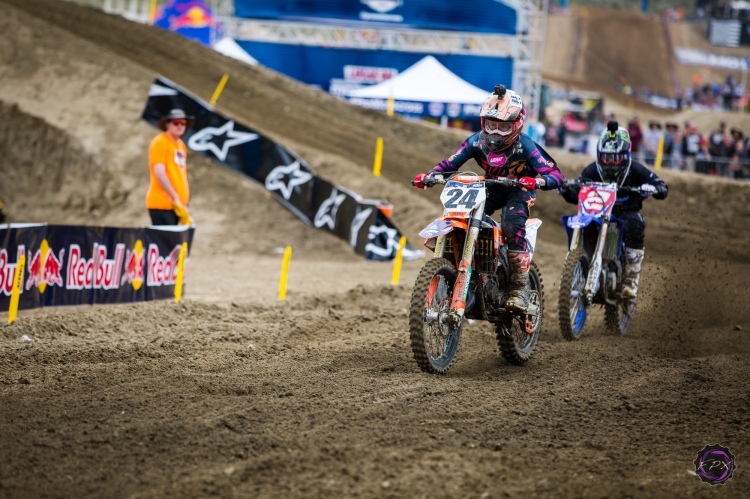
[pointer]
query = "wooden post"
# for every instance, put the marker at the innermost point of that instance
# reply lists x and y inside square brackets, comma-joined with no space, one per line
[378,157]
[398,260]
[180,273]
[284,272]
[16,293]
[659,153]
[219,89]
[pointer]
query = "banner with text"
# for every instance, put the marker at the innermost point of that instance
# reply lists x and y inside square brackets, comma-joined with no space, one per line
[86,265]
[290,180]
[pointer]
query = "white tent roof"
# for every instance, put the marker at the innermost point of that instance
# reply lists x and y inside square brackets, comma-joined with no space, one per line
[230,48]
[425,81]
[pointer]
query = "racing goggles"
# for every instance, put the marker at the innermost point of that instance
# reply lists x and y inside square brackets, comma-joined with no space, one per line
[493,127]
[610,158]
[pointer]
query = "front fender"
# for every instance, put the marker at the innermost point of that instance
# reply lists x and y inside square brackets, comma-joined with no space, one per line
[571,222]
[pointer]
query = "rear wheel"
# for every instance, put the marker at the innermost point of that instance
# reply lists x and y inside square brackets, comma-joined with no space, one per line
[433,343]
[618,318]
[516,337]
[571,305]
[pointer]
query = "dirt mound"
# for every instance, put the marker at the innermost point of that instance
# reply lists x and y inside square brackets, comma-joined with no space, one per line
[600,49]
[319,396]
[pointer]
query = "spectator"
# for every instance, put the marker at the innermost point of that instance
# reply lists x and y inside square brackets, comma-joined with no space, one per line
[691,146]
[716,138]
[636,136]
[669,140]
[725,154]
[651,142]
[168,193]
[676,161]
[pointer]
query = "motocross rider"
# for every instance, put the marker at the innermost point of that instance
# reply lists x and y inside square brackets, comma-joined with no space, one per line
[503,151]
[614,164]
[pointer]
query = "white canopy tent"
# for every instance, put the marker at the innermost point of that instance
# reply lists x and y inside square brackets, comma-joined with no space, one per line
[232,49]
[427,82]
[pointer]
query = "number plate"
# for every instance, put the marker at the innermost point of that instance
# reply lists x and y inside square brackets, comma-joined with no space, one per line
[459,198]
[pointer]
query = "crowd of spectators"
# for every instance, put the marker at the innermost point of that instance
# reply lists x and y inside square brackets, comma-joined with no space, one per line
[723,153]
[727,96]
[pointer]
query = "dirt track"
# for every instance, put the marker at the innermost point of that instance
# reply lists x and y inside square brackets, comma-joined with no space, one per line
[164,400]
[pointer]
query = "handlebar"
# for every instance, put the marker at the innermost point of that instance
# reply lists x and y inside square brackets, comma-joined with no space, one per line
[578,183]
[438,178]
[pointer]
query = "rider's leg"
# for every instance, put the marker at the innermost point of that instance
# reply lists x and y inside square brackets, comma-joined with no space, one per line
[515,214]
[635,236]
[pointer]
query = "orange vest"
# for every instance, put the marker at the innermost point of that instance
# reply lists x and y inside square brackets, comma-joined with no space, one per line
[173,155]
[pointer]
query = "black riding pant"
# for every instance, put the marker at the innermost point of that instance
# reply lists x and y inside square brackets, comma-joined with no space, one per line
[634,230]
[163,217]
[515,203]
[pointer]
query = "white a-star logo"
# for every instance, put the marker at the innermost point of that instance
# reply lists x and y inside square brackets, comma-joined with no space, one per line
[209,138]
[357,224]
[326,214]
[275,179]
[391,241]
[383,6]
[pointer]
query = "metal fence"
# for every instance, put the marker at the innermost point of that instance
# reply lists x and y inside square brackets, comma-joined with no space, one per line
[720,167]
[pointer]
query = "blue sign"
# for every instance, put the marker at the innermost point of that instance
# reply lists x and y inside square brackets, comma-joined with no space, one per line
[190,18]
[319,65]
[485,16]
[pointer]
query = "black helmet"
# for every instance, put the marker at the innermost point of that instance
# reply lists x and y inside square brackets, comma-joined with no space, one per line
[613,154]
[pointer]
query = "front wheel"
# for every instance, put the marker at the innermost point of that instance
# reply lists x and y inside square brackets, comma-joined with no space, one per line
[517,335]
[618,318]
[571,304]
[433,343]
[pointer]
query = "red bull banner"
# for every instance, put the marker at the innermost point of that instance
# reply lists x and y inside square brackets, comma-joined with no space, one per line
[364,223]
[189,18]
[84,265]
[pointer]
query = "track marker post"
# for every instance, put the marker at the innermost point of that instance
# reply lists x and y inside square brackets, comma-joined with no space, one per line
[152,13]
[284,272]
[180,273]
[378,157]
[398,260]
[219,89]
[659,154]
[16,293]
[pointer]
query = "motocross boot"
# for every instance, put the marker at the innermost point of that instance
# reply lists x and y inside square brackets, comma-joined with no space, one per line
[633,260]
[520,262]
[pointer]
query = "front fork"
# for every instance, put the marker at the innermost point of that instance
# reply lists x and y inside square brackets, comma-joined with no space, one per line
[461,288]
[593,280]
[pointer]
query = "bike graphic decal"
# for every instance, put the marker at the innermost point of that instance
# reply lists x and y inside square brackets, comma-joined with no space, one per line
[596,200]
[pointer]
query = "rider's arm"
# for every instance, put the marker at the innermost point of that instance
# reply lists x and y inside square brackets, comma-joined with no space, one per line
[454,162]
[570,192]
[543,164]
[646,176]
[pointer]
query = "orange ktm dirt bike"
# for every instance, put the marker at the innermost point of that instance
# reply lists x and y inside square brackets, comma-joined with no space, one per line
[469,277]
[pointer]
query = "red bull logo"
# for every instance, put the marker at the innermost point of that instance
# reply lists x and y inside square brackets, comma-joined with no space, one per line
[45,268]
[163,270]
[97,272]
[180,14]
[8,271]
[134,266]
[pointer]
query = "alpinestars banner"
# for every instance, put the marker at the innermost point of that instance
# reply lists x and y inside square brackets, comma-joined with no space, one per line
[289,179]
[84,265]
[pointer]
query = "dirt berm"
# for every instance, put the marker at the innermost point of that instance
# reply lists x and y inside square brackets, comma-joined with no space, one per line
[230,394]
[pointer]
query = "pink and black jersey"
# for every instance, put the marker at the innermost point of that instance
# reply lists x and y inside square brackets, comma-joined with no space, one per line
[525,159]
